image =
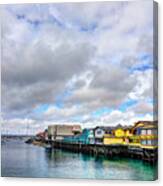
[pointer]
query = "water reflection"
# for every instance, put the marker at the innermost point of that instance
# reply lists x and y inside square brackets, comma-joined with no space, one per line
[86,166]
[23,160]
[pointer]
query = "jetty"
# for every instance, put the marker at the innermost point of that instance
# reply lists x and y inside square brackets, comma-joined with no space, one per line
[109,151]
[137,141]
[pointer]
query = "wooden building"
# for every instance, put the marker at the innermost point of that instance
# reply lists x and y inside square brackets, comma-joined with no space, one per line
[144,134]
[86,137]
[100,132]
[98,135]
[118,135]
[58,132]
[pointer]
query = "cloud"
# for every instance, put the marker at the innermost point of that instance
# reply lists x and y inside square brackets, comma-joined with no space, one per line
[76,58]
[142,107]
[24,126]
[109,87]
[144,87]
[124,118]
[38,72]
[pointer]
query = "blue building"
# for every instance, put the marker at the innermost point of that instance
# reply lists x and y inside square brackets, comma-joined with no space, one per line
[86,137]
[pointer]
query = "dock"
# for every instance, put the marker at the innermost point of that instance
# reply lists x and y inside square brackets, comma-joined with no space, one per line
[109,151]
[139,141]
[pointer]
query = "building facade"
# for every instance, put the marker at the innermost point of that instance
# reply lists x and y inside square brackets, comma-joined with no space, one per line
[58,132]
[145,133]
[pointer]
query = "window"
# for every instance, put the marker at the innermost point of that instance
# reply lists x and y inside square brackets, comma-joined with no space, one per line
[99,132]
[149,142]
[149,131]
[143,142]
[143,132]
[99,141]
[154,131]
[154,142]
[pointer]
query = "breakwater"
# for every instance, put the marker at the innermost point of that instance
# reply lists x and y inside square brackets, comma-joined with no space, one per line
[109,151]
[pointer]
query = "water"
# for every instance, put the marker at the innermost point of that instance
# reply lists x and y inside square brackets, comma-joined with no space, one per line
[24,160]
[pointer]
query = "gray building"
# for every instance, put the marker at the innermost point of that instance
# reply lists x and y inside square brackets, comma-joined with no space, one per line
[58,132]
[99,133]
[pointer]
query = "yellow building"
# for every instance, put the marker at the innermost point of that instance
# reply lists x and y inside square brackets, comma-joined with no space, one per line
[128,133]
[144,134]
[111,140]
[117,136]
[119,133]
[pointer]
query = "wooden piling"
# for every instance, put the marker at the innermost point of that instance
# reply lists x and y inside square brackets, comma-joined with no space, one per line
[108,151]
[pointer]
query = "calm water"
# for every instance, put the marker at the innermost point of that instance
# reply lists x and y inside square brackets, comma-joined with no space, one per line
[24,160]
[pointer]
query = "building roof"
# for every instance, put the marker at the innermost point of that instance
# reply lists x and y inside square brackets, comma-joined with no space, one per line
[110,128]
[146,124]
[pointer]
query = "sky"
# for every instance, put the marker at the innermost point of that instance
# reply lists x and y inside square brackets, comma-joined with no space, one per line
[84,63]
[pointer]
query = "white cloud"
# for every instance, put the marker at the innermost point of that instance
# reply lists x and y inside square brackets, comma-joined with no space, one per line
[56,112]
[124,118]
[144,85]
[80,54]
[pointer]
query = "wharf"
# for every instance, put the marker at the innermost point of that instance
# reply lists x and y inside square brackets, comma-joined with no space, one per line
[109,151]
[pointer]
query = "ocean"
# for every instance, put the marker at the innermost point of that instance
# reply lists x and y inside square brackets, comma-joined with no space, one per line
[19,159]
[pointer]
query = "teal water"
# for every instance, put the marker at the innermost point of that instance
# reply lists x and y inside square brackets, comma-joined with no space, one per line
[23,160]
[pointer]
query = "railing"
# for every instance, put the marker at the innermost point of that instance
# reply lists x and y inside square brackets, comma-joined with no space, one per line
[142,137]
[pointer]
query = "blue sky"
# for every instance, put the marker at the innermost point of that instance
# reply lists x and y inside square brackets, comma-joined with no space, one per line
[86,63]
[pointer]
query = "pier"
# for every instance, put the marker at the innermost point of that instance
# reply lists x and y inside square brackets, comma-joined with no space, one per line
[109,151]
[138,141]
